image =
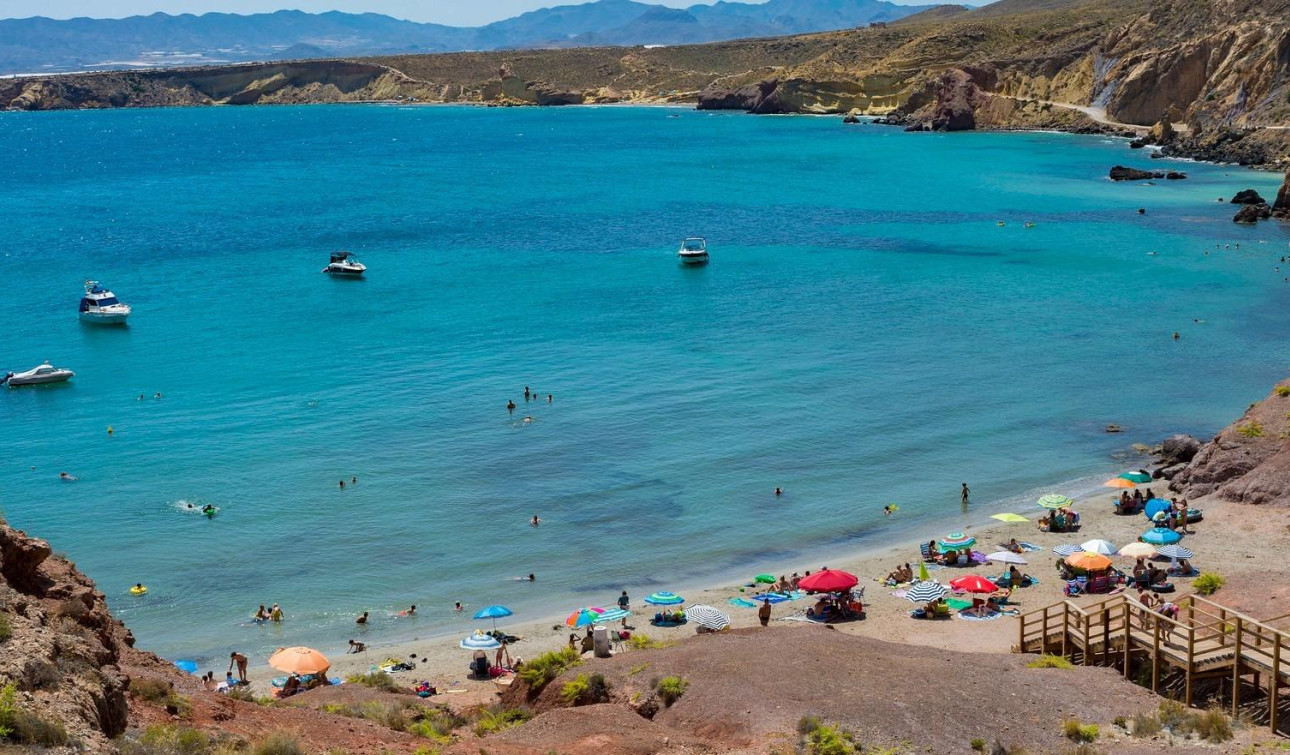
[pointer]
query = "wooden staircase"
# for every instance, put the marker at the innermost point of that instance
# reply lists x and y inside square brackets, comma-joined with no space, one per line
[1205,641]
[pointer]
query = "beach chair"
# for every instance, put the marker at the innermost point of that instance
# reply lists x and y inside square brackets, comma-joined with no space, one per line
[925,551]
[1072,588]
[1099,585]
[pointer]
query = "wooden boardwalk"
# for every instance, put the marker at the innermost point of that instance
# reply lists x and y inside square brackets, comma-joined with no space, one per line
[1206,641]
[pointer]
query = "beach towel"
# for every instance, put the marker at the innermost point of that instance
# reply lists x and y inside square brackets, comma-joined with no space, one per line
[742,603]
[964,615]
[978,557]
[958,605]
[1029,548]
[898,594]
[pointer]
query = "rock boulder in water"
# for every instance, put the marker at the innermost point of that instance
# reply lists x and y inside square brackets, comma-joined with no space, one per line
[1253,213]
[1122,173]
[1248,196]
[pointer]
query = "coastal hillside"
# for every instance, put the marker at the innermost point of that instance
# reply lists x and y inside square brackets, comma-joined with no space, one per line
[30,45]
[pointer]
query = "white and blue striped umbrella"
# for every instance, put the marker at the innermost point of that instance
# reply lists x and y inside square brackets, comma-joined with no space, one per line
[480,641]
[1069,549]
[707,616]
[925,592]
[1175,551]
[612,614]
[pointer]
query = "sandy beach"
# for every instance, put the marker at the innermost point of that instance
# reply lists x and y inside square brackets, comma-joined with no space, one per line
[1215,540]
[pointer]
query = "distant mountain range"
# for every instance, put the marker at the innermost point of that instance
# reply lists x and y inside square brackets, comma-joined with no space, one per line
[44,45]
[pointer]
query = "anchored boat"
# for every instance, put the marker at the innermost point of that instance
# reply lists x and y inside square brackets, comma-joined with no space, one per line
[345,265]
[45,373]
[101,306]
[694,251]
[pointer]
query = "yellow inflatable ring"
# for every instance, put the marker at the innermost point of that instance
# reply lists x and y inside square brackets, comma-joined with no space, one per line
[138,590]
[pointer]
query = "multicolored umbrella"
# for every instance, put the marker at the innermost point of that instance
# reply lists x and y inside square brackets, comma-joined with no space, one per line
[664,599]
[707,616]
[1103,547]
[1175,552]
[1067,549]
[973,583]
[1005,557]
[1089,561]
[1055,501]
[584,617]
[829,580]
[1137,550]
[1118,482]
[925,592]
[479,641]
[1161,536]
[956,541]
[1136,477]
[1010,518]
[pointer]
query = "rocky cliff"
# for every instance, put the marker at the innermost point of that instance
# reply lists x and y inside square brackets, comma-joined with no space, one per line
[1249,461]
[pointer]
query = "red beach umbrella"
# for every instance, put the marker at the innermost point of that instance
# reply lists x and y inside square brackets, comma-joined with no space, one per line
[973,583]
[829,580]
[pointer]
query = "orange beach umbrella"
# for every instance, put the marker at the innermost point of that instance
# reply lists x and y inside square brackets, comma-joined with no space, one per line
[299,660]
[1118,482]
[1089,561]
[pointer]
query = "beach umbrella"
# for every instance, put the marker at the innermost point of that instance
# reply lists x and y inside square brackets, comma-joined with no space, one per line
[479,641]
[1010,518]
[664,599]
[1155,506]
[188,667]
[584,617]
[764,579]
[611,614]
[494,613]
[973,583]
[299,660]
[1137,550]
[1005,557]
[1136,477]
[1118,482]
[925,592]
[1055,501]
[1067,549]
[1089,561]
[1161,536]
[829,580]
[1172,552]
[1104,547]
[923,576]
[956,541]
[707,616]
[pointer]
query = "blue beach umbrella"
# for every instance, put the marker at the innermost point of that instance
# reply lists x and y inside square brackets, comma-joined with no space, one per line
[479,641]
[1155,506]
[1161,536]
[494,613]
[664,599]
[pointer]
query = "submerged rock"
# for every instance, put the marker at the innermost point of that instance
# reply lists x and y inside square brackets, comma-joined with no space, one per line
[1122,173]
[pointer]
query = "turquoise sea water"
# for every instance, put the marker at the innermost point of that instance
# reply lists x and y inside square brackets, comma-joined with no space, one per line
[865,334]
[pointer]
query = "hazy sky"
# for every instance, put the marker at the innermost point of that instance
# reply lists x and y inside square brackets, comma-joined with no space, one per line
[454,12]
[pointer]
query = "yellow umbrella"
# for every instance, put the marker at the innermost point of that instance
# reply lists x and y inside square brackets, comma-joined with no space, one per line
[923,576]
[1010,518]
[1088,560]
[299,660]
[1118,482]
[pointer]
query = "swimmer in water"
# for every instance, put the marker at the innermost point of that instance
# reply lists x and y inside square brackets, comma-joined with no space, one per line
[109,429]
[342,484]
[208,510]
[532,578]
[158,395]
[353,481]
[549,398]
[528,420]
[1175,335]
[140,397]
[361,619]
[191,506]
[67,477]
[535,521]
[886,510]
[459,607]
[779,492]
[527,393]
[410,612]
[510,405]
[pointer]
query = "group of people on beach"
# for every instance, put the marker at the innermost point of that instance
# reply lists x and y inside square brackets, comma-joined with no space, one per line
[1061,520]
[271,614]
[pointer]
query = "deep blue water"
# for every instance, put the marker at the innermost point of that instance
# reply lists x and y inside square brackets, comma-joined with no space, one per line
[865,334]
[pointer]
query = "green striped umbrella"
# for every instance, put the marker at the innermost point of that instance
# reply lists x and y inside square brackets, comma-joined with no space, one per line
[1055,501]
[1136,477]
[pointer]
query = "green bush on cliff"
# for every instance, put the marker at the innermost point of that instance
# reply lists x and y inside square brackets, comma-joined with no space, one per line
[1251,429]
[1283,390]
[280,743]
[376,680]
[1208,583]
[25,727]
[670,689]
[543,669]
[497,718]
[6,629]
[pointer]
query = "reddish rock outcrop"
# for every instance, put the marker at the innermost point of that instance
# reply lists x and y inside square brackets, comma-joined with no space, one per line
[1249,461]
[1281,207]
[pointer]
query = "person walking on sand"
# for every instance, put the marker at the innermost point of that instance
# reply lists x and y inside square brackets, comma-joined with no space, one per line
[361,619]
[763,613]
[236,658]
[966,493]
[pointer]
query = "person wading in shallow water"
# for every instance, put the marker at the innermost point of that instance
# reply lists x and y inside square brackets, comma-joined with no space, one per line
[966,493]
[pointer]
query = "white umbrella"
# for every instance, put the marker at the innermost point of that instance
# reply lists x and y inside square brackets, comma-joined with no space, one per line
[1006,557]
[707,616]
[1100,547]
[1138,550]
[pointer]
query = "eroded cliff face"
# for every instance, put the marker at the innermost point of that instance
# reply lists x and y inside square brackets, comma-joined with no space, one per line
[1249,461]
[63,648]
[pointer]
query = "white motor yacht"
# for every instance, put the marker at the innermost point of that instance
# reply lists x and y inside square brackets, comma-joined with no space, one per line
[344,264]
[694,251]
[45,373]
[100,305]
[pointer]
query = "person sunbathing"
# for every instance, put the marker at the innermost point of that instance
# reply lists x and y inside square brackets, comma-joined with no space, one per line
[1183,568]
[291,687]
[1016,578]
[895,576]
[1014,546]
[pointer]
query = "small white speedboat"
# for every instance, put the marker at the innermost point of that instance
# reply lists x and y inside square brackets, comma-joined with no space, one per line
[694,251]
[45,373]
[101,306]
[344,264]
